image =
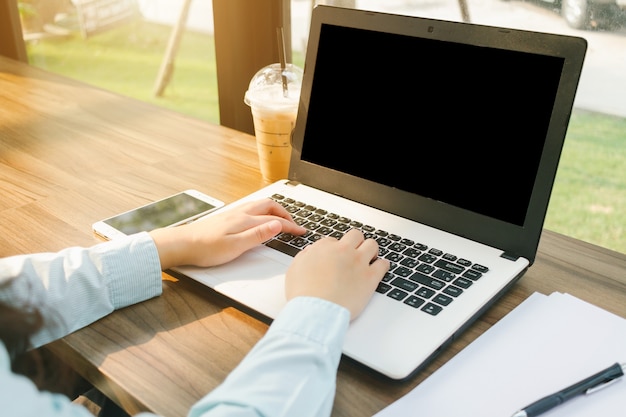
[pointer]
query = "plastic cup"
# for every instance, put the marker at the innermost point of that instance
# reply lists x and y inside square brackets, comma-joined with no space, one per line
[274,110]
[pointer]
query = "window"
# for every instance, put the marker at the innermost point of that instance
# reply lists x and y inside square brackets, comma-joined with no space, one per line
[133,47]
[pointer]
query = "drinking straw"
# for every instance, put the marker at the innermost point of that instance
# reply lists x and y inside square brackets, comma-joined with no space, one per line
[281,56]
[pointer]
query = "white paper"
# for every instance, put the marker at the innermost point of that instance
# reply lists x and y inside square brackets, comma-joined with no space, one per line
[544,345]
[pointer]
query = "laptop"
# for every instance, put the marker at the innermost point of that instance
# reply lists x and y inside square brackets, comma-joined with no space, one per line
[439,139]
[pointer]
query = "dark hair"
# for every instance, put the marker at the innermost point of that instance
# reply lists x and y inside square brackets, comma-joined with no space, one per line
[40,365]
[16,328]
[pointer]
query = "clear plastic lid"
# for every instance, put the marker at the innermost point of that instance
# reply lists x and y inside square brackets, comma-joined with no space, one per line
[275,88]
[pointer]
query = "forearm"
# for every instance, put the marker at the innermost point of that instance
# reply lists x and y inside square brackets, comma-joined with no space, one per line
[291,371]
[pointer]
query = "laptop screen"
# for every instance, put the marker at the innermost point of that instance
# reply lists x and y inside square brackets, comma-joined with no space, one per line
[457,123]
[454,125]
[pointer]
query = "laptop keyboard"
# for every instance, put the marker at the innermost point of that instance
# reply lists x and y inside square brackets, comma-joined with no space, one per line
[419,276]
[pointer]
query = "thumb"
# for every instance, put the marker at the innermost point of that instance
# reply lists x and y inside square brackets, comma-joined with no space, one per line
[267,230]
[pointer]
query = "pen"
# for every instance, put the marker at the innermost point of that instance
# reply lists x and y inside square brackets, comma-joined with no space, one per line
[586,386]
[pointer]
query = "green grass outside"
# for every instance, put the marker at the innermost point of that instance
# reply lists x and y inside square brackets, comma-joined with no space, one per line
[127,60]
[589,194]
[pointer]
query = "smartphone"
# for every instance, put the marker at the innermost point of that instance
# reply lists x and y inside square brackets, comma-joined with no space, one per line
[174,210]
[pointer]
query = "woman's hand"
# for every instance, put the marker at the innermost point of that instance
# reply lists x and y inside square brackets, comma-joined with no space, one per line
[344,271]
[224,236]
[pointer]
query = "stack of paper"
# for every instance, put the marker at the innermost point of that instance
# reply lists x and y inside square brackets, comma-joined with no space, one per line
[545,344]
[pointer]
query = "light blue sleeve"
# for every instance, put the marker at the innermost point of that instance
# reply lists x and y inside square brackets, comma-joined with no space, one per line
[291,371]
[75,287]
[78,286]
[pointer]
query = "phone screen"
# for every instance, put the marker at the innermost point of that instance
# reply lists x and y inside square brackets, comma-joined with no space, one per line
[162,213]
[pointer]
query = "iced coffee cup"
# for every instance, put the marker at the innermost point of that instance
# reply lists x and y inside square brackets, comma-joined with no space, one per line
[273,96]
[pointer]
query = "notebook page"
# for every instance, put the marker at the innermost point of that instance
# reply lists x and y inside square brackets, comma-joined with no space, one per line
[545,344]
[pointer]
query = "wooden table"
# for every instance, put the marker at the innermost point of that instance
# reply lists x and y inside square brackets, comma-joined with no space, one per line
[71,154]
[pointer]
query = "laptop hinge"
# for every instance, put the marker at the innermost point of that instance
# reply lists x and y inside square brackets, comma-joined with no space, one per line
[510,256]
[292,183]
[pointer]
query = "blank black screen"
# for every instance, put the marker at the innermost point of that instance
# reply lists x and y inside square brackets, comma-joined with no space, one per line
[456,123]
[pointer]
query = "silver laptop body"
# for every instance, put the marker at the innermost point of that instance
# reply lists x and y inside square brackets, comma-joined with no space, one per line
[444,138]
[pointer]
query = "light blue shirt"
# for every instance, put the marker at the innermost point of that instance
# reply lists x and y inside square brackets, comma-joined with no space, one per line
[290,372]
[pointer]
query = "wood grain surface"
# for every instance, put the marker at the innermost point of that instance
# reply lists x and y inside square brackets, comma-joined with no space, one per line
[71,154]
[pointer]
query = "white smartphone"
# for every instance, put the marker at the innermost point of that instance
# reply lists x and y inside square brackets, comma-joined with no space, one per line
[174,210]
